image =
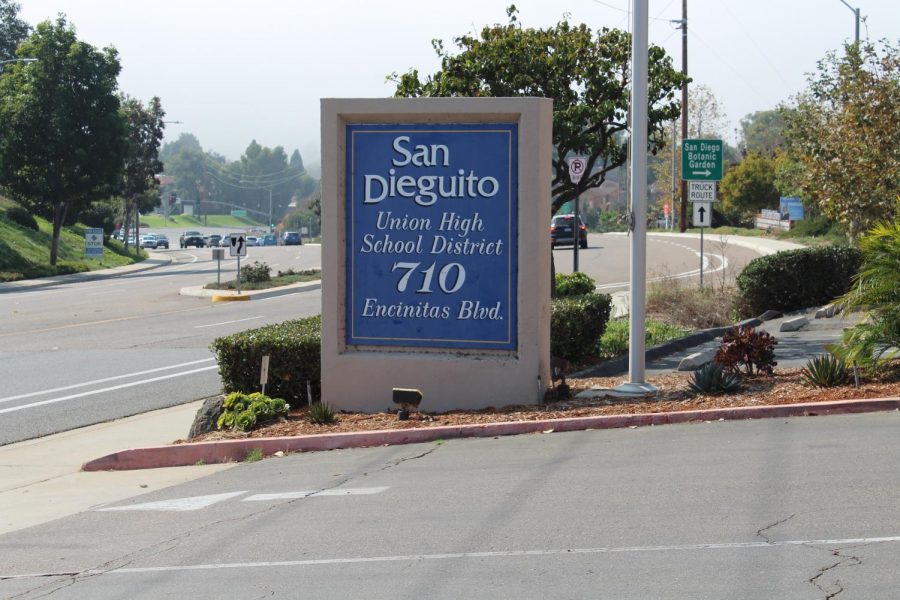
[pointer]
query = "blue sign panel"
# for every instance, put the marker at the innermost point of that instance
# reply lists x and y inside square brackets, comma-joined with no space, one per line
[432,235]
[791,209]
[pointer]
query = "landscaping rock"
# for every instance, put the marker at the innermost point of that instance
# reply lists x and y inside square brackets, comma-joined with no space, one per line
[771,314]
[826,312]
[207,415]
[794,324]
[694,361]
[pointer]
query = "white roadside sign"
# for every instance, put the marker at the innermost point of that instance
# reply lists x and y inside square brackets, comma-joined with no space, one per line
[702,214]
[577,167]
[237,245]
[702,191]
[93,242]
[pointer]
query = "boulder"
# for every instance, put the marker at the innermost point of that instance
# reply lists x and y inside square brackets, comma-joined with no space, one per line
[694,361]
[794,324]
[206,417]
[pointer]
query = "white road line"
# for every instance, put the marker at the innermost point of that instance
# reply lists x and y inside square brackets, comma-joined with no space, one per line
[467,555]
[104,380]
[176,504]
[228,322]
[109,389]
[312,493]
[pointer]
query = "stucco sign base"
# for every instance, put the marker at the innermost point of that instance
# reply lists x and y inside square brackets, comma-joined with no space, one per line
[502,188]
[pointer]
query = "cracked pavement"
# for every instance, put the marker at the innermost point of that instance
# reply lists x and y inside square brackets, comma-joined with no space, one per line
[793,508]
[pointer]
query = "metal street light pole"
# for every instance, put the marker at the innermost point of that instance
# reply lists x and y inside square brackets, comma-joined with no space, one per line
[638,277]
[856,14]
[15,60]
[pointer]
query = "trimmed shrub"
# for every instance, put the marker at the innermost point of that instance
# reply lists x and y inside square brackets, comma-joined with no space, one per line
[256,273]
[294,349]
[576,324]
[796,279]
[573,284]
[21,216]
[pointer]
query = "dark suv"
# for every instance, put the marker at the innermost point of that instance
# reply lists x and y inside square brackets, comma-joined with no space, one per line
[562,231]
[292,238]
[191,238]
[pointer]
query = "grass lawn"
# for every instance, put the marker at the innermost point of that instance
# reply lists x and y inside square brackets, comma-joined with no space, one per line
[25,253]
[191,222]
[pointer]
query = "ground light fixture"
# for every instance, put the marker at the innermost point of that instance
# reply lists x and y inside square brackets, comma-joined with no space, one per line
[408,400]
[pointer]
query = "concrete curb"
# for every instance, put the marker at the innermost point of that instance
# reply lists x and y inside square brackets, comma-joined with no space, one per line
[155,261]
[236,450]
[198,291]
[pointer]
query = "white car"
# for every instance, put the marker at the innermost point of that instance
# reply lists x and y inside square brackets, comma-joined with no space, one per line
[252,240]
[148,240]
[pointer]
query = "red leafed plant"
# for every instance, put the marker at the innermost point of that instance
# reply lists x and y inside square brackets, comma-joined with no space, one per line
[744,349]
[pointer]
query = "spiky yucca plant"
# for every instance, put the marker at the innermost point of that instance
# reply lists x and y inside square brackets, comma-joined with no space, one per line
[825,371]
[320,413]
[712,379]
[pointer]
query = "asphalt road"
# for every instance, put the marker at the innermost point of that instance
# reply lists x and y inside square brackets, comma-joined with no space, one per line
[82,353]
[803,508]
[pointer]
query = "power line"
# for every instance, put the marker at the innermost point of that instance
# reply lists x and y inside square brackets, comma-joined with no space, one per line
[759,49]
[258,186]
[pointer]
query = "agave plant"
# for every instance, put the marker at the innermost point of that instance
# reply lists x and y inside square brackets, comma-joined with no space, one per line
[320,413]
[712,379]
[825,371]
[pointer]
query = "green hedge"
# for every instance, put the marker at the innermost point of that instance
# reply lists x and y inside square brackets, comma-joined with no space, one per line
[573,284]
[576,324]
[294,349]
[796,279]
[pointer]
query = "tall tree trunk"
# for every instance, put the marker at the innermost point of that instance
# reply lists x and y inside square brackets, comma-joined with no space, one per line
[137,226]
[59,217]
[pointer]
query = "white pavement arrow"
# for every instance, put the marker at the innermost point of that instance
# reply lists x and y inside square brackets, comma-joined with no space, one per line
[178,504]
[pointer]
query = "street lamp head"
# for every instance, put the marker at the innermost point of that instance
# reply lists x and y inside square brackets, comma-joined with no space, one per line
[15,60]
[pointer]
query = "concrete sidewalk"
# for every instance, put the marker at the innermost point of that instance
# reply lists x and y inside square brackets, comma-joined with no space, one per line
[43,481]
[155,260]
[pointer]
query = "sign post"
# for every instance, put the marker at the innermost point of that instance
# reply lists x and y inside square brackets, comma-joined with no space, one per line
[701,166]
[577,167]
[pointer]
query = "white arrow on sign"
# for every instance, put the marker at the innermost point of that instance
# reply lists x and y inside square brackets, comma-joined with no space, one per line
[707,173]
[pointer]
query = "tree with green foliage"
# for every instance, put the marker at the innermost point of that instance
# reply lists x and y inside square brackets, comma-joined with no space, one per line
[138,186]
[13,30]
[64,140]
[748,187]
[586,75]
[845,131]
[762,133]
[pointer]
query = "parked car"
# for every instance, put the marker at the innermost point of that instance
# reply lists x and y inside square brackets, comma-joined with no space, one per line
[292,238]
[214,240]
[162,242]
[562,231]
[191,238]
[268,240]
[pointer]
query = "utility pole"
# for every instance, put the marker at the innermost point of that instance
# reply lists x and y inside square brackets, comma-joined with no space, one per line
[684,110]
[674,173]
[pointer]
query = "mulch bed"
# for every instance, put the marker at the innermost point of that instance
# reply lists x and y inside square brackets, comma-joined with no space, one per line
[785,386]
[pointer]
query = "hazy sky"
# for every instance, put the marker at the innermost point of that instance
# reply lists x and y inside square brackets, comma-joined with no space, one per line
[234,71]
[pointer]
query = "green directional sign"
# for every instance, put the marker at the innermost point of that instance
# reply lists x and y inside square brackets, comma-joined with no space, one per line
[701,160]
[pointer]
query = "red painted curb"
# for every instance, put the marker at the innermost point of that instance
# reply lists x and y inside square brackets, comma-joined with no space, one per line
[235,450]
